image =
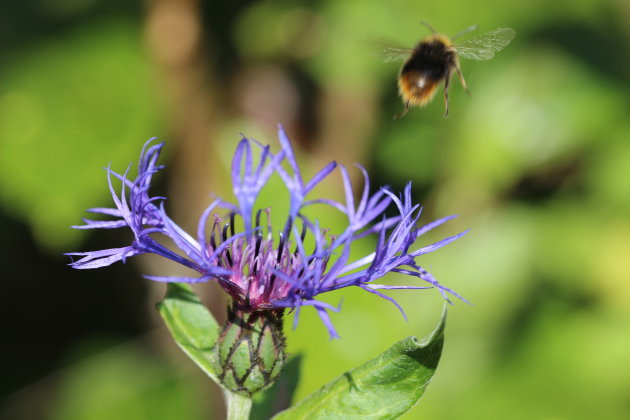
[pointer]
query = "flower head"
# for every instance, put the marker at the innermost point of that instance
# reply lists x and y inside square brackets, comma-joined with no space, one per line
[261,268]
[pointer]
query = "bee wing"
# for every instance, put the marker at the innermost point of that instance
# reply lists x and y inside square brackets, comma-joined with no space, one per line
[484,46]
[389,54]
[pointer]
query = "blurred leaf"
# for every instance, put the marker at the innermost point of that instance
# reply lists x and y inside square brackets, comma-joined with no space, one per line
[297,31]
[122,382]
[607,177]
[194,329]
[69,105]
[514,126]
[279,396]
[417,157]
[383,388]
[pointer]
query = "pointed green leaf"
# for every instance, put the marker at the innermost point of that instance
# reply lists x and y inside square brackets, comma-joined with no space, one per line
[191,324]
[383,388]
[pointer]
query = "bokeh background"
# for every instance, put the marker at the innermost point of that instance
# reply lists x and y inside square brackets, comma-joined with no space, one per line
[536,162]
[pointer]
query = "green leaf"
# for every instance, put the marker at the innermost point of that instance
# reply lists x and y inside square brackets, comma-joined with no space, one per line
[191,324]
[70,103]
[383,388]
[279,396]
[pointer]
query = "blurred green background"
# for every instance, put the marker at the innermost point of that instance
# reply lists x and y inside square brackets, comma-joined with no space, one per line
[536,162]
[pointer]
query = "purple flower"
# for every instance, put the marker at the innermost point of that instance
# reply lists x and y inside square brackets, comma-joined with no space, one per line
[262,269]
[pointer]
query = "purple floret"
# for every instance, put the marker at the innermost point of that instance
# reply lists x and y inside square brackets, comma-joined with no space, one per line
[263,268]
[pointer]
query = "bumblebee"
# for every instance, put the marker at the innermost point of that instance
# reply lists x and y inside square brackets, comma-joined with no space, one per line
[436,58]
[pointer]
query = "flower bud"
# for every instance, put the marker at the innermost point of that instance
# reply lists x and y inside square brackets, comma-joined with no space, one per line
[250,351]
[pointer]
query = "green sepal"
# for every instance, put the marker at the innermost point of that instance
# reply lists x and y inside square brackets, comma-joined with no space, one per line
[383,388]
[280,395]
[251,350]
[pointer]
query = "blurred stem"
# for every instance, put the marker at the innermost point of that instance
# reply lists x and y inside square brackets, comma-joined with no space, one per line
[175,34]
[238,407]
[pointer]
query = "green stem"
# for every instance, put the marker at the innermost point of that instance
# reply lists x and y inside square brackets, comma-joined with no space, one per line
[238,407]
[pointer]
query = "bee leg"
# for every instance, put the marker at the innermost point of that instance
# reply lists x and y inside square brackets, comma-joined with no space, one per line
[461,79]
[447,82]
[403,113]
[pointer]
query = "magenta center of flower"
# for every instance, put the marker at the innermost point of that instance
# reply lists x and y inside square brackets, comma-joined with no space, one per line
[265,271]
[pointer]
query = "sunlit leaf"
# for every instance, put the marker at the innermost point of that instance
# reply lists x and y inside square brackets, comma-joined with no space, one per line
[383,388]
[194,329]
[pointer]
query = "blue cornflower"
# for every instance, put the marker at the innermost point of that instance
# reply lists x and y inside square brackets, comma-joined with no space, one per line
[260,269]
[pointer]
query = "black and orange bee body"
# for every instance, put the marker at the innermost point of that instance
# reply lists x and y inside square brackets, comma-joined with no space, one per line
[436,58]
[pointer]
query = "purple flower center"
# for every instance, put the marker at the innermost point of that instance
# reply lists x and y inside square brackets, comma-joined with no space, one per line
[256,262]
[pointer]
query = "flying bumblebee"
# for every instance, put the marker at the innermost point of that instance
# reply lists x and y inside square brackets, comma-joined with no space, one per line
[435,58]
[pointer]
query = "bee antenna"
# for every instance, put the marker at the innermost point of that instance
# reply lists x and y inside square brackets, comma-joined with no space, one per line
[465,31]
[425,23]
